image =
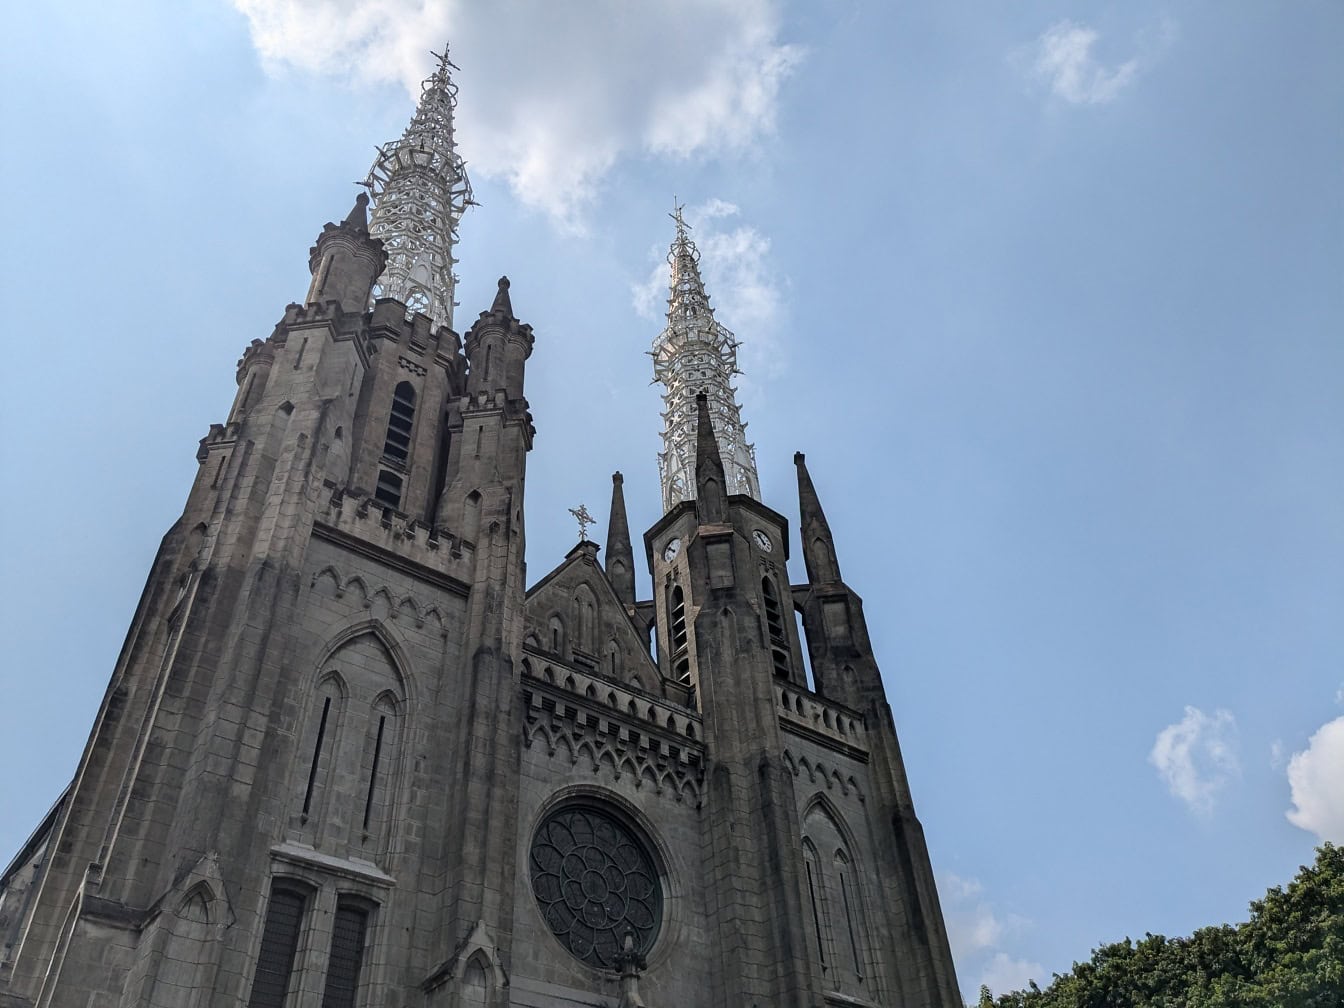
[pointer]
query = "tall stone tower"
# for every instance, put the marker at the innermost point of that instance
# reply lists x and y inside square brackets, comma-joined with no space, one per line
[348,758]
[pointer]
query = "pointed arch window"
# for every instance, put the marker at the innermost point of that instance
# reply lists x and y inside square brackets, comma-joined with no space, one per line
[328,703]
[676,607]
[837,901]
[557,629]
[848,904]
[811,867]
[397,445]
[585,618]
[380,749]
[346,780]
[774,621]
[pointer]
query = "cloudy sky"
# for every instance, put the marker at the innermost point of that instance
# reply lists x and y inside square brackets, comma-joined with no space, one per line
[1050,294]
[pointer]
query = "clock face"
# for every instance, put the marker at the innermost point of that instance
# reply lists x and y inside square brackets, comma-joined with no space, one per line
[671,550]
[763,541]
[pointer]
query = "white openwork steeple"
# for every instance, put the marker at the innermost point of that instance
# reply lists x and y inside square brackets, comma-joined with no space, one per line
[696,354]
[420,190]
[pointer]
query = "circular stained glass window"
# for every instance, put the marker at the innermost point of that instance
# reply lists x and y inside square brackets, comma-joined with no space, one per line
[594,881]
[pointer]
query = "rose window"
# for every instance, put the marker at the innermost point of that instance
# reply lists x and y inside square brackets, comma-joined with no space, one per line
[594,881]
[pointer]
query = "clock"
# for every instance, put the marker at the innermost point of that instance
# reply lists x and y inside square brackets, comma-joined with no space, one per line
[763,541]
[671,550]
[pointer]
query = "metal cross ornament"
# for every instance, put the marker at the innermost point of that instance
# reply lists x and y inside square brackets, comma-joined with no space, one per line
[584,519]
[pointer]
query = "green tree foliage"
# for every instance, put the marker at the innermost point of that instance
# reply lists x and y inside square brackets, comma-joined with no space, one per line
[1290,954]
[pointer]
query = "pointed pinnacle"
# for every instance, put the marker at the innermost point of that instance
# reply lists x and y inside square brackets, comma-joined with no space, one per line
[620,565]
[710,481]
[358,217]
[502,303]
[818,544]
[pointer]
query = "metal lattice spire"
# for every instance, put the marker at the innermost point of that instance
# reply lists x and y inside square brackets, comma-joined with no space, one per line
[695,354]
[420,190]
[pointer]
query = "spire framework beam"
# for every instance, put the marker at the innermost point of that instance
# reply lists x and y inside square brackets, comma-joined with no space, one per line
[696,355]
[421,190]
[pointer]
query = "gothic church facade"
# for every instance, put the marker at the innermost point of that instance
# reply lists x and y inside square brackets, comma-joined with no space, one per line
[347,757]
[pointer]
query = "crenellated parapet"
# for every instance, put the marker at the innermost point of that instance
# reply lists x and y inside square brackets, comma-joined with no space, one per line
[364,524]
[822,720]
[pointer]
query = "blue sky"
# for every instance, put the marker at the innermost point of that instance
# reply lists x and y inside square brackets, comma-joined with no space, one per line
[1050,295]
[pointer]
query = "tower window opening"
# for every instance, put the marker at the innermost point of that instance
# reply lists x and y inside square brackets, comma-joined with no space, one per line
[678,620]
[348,932]
[397,445]
[809,678]
[389,489]
[279,942]
[774,621]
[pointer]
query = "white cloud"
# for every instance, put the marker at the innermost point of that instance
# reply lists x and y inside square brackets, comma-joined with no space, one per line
[975,931]
[743,287]
[1276,753]
[971,923]
[552,99]
[1003,973]
[1196,757]
[1316,777]
[1064,60]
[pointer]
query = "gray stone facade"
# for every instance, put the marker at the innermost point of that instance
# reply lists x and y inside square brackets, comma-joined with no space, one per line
[338,686]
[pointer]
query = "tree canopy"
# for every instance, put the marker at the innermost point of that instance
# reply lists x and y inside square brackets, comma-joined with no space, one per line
[1290,954]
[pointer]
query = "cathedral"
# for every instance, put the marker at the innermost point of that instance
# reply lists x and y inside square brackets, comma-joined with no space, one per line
[348,756]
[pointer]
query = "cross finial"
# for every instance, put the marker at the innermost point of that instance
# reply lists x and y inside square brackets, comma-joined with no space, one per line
[677,208]
[444,61]
[584,519]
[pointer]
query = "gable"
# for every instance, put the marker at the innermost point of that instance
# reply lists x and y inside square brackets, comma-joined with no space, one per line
[573,614]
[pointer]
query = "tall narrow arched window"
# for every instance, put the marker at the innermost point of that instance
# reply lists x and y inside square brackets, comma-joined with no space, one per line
[397,446]
[557,629]
[279,942]
[376,778]
[471,517]
[854,959]
[321,743]
[585,618]
[676,607]
[815,897]
[774,621]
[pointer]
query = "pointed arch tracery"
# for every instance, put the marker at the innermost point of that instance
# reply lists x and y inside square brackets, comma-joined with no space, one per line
[350,751]
[836,896]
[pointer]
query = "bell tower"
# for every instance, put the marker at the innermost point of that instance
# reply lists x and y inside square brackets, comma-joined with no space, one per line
[822,886]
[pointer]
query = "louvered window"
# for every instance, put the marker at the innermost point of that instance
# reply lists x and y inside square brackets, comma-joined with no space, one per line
[398,444]
[389,489]
[774,619]
[347,955]
[279,942]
